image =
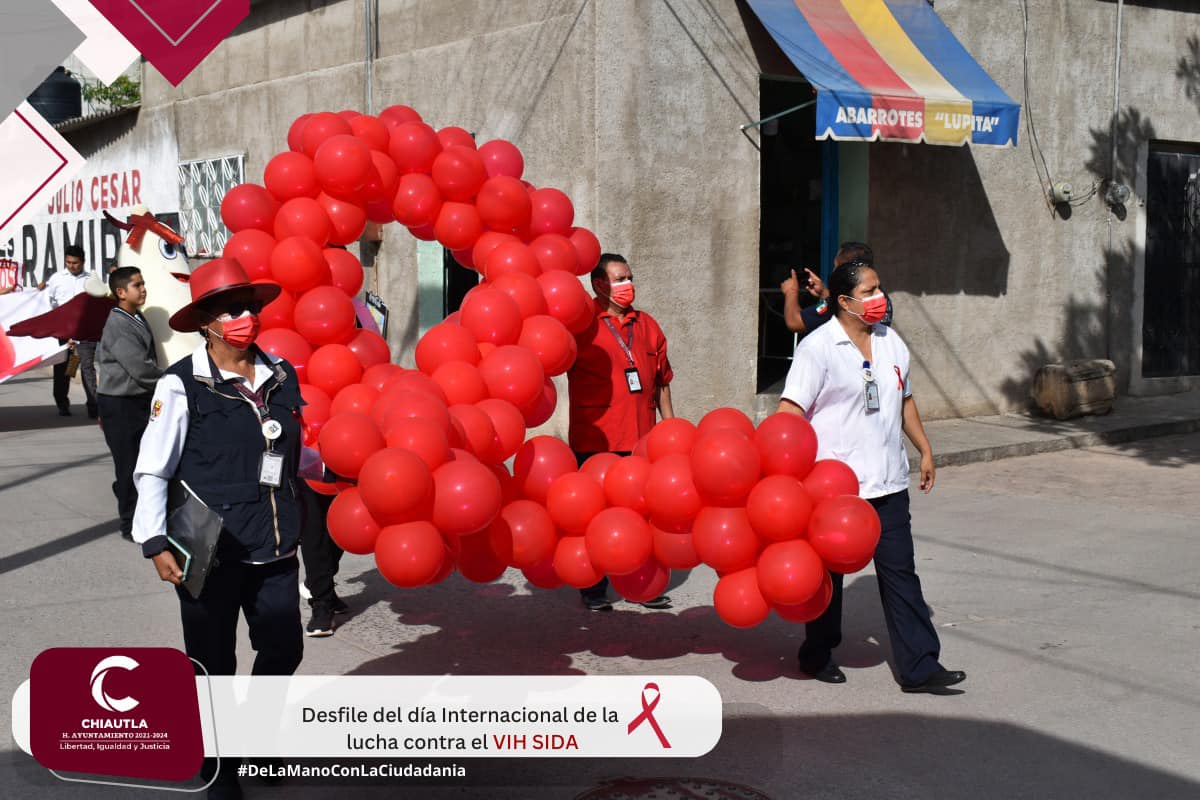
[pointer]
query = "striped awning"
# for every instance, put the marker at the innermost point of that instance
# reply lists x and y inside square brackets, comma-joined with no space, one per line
[889,69]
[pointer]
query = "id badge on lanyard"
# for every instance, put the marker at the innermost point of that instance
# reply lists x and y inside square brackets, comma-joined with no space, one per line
[870,389]
[632,379]
[270,468]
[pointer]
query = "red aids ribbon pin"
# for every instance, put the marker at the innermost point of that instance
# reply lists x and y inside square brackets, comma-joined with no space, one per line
[647,714]
[899,377]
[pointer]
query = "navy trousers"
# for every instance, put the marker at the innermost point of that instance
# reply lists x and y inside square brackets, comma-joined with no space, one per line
[320,553]
[915,643]
[124,420]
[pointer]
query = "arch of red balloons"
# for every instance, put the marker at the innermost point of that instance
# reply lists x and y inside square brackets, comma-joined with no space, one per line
[426,447]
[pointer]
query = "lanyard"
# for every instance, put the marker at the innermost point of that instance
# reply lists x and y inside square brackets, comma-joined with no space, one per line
[626,347]
[254,397]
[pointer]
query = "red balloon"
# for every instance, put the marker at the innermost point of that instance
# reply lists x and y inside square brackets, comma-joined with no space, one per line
[573,500]
[504,204]
[396,486]
[724,539]
[369,348]
[417,201]
[413,147]
[333,367]
[479,432]
[399,403]
[381,185]
[486,243]
[346,219]
[249,207]
[316,411]
[466,497]
[422,437]
[671,494]
[573,564]
[295,131]
[394,116]
[510,257]
[566,300]
[464,258]
[542,408]
[673,548]
[542,574]
[587,250]
[378,375]
[645,583]
[454,136]
[625,483]
[343,164]
[539,461]
[524,290]
[458,225]
[350,524]
[533,533]
[554,251]
[550,342]
[445,342]
[461,382]
[844,530]
[509,425]
[502,158]
[297,264]
[725,467]
[552,212]
[324,315]
[508,485]
[252,249]
[790,573]
[779,508]
[598,465]
[348,114]
[303,216]
[514,374]
[371,132]
[485,556]
[356,397]
[415,381]
[458,172]
[345,270]
[411,554]
[810,609]
[640,448]
[787,444]
[618,540]
[738,599]
[291,175]
[347,441]
[674,436]
[424,232]
[279,312]
[830,478]
[492,316]
[319,128]
[721,418]
[288,345]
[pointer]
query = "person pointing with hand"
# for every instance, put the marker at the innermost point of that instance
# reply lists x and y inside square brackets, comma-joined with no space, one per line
[806,320]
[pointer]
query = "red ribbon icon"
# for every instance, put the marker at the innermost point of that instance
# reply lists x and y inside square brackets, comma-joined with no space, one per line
[899,377]
[647,714]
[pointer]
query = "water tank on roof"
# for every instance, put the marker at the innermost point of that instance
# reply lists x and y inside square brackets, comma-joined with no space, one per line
[58,99]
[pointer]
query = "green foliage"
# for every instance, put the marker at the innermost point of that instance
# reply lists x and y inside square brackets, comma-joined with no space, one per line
[122,92]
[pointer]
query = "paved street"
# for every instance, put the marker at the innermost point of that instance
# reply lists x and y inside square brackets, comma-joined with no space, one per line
[1064,583]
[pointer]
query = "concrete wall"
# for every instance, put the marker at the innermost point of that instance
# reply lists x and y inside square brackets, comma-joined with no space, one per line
[629,106]
[989,282]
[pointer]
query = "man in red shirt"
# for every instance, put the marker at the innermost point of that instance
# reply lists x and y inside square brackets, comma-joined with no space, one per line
[620,382]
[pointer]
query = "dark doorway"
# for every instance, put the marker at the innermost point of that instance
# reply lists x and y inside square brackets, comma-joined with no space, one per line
[458,280]
[1171,311]
[791,202]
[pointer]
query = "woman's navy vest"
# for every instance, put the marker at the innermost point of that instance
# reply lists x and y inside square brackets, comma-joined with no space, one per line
[222,456]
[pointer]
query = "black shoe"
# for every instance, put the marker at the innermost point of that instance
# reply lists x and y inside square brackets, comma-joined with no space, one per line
[127,536]
[597,603]
[830,673]
[338,605]
[321,622]
[93,413]
[660,602]
[937,682]
[63,411]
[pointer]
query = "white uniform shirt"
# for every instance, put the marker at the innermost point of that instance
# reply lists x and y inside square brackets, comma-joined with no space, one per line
[62,286]
[826,380]
[162,443]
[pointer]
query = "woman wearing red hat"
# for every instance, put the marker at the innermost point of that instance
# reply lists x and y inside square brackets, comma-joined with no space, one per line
[226,421]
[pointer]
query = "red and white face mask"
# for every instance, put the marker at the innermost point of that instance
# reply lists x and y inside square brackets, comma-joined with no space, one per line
[874,307]
[622,293]
[239,332]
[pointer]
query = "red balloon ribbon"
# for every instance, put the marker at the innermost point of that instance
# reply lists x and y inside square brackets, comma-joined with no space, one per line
[647,714]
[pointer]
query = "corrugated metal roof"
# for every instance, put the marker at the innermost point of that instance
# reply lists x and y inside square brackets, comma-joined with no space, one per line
[82,122]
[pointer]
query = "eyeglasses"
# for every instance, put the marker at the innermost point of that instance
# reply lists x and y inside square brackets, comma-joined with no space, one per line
[239,308]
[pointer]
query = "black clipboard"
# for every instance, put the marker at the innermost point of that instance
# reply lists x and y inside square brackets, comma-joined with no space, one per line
[192,532]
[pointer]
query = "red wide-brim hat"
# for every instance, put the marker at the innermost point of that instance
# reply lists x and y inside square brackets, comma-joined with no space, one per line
[209,283]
